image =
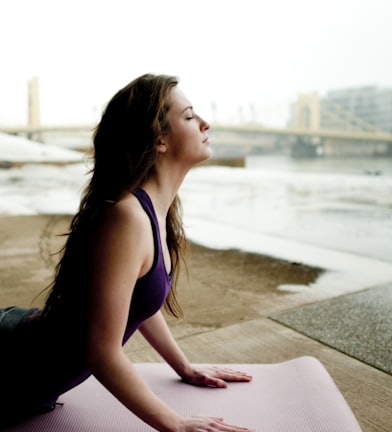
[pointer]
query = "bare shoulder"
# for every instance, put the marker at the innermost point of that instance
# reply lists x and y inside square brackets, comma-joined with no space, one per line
[127,214]
[123,225]
[124,236]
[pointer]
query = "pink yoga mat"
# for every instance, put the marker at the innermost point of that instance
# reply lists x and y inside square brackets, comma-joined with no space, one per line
[295,396]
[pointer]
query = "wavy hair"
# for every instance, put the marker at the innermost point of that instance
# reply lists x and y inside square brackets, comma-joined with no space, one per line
[124,156]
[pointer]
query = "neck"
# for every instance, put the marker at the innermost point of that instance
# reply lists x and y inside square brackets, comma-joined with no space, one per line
[162,188]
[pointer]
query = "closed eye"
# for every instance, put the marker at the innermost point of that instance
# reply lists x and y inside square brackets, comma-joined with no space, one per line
[189,113]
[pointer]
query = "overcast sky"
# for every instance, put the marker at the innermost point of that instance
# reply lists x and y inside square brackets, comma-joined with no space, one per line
[231,53]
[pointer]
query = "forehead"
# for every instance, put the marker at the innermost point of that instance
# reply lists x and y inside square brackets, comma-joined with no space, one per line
[178,100]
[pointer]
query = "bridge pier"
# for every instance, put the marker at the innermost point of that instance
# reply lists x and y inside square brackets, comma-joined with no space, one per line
[306,147]
[34,114]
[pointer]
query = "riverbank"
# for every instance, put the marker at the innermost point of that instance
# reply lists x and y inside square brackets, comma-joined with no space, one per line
[216,277]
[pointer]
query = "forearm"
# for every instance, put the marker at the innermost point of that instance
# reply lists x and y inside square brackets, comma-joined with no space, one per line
[157,333]
[119,376]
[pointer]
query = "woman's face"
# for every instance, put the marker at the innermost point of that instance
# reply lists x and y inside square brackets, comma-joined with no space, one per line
[186,140]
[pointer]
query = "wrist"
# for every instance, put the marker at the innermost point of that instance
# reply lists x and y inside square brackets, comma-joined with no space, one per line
[186,371]
[181,427]
[183,369]
[177,424]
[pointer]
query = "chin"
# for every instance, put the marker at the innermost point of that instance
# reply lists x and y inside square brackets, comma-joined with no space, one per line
[208,156]
[204,160]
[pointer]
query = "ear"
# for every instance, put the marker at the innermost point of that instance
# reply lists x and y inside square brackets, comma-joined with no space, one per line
[161,144]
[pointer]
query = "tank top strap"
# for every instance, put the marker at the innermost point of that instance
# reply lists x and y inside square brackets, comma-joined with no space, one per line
[146,203]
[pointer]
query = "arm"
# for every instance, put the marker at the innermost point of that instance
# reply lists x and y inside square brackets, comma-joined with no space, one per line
[156,331]
[121,252]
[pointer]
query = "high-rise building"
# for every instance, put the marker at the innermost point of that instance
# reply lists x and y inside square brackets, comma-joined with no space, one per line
[362,108]
[367,109]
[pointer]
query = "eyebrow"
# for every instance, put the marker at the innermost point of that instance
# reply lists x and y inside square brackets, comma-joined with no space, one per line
[188,107]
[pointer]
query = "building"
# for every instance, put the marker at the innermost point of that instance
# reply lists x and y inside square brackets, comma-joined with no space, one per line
[361,108]
[357,109]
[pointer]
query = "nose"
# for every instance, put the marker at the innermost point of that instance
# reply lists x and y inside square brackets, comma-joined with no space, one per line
[204,125]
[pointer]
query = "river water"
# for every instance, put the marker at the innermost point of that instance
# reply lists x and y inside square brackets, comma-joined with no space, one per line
[334,204]
[320,211]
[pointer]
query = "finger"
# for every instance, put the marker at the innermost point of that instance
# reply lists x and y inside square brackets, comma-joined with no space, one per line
[221,425]
[210,381]
[232,371]
[232,375]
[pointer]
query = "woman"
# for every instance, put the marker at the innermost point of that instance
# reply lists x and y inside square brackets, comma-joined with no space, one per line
[120,260]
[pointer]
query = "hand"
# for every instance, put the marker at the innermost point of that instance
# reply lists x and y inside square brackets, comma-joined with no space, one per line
[215,377]
[210,424]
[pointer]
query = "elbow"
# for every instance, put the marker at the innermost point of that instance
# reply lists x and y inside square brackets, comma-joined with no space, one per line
[98,356]
[94,357]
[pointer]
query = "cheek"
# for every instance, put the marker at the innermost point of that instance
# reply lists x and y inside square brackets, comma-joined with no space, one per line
[185,140]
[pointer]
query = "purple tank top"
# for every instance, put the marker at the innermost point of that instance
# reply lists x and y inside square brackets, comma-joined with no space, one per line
[151,290]
[59,363]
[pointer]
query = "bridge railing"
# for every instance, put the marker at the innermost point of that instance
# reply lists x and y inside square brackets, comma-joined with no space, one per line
[253,130]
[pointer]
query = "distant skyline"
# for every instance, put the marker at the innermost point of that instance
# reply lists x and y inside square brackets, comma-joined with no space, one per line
[246,58]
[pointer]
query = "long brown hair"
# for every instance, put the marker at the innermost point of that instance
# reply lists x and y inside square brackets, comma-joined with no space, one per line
[124,144]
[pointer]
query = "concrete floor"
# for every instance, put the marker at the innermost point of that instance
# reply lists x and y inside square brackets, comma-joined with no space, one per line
[357,324]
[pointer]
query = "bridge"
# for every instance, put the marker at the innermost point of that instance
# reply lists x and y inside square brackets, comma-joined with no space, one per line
[237,140]
[316,126]
[250,130]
